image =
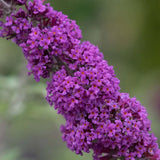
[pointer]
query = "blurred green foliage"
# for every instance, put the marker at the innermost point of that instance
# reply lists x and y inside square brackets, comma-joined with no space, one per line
[10,155]
[127,32]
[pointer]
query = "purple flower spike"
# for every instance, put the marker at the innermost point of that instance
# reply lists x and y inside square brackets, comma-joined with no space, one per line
[83,87]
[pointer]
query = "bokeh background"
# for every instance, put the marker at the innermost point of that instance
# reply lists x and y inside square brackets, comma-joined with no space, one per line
[127,32]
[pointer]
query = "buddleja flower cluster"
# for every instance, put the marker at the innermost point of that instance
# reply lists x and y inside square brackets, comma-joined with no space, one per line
[83,87]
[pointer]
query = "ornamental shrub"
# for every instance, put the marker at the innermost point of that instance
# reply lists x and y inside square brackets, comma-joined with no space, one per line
[81,85]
